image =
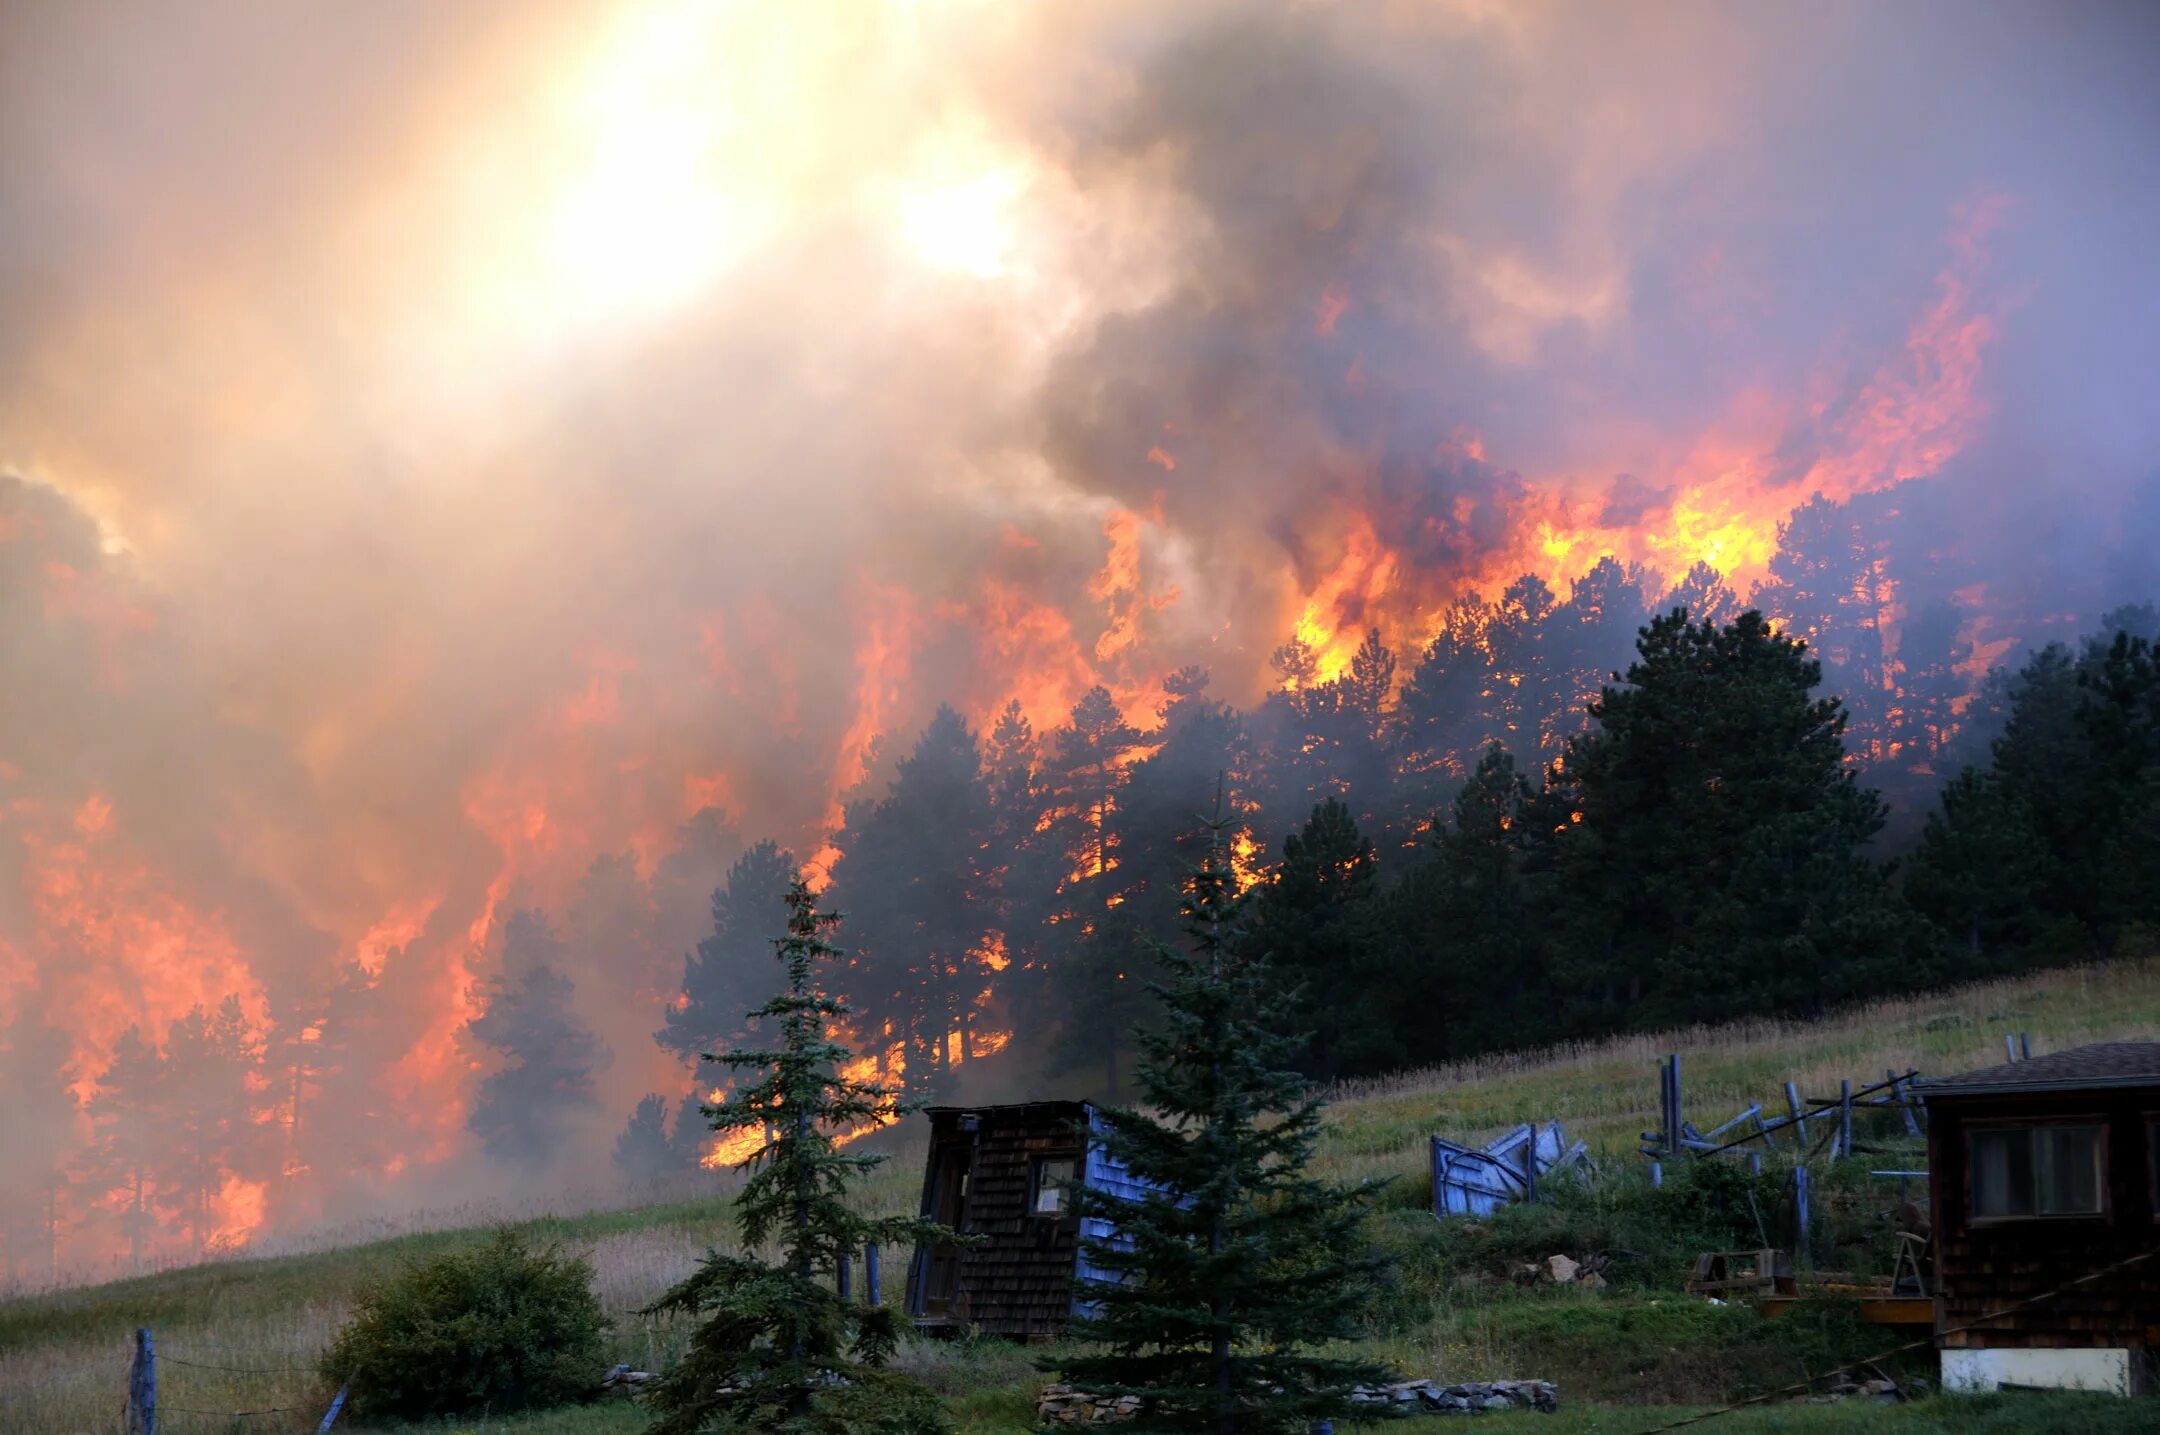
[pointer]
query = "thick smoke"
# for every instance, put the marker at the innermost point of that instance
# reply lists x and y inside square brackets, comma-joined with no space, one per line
[465,459]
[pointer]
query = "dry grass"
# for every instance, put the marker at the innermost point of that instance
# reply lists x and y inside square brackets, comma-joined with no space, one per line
[1605,1092]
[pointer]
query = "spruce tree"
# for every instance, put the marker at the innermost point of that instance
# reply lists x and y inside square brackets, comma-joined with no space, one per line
[776,1349]
[1238,1263]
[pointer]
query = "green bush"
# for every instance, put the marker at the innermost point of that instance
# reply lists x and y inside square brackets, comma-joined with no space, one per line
[503,1328]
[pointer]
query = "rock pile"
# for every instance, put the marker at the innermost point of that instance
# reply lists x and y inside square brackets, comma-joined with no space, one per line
[1565,1270]
[1063,1405]
[1068,1405]
[1471,1397]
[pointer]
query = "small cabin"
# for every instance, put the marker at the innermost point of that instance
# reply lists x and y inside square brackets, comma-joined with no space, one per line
[1009,1175]
[2041,1172]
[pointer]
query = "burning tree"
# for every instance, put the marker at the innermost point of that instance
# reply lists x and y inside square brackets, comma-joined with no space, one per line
[1238,1263]
[777,1349]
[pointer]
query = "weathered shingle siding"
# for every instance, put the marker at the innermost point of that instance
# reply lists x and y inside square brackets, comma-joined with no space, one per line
[1982,1269]
[1018,1280]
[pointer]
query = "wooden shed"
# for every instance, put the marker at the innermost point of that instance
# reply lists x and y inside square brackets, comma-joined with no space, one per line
[2041,1172]
[1008,1175]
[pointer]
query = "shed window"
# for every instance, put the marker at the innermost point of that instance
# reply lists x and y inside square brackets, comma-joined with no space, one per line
[2036,1171]
[1050,1190]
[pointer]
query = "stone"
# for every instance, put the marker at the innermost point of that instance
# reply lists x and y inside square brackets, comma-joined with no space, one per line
[1592,1281]
[1561,1269]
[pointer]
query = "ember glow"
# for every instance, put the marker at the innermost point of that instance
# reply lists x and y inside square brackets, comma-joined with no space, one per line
[464,460]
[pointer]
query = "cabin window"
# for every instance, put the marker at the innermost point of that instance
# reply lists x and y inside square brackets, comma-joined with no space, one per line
[1050,1192]
[2020,1171]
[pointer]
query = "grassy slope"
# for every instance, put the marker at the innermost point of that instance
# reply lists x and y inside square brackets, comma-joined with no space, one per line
[63,1355]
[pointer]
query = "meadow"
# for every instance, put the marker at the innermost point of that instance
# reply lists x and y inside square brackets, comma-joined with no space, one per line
[241,1339]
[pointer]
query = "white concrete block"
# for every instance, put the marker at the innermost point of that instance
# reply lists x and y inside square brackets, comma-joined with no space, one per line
[1969,1372]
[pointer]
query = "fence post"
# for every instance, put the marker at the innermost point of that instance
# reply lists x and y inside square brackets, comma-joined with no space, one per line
[1800,1216]
[1799,1116]
[1905,1104]
[1657,1174]
[870,1274]
[2024,1046]
[1844,1120]
[142,1386]
[2009,1047]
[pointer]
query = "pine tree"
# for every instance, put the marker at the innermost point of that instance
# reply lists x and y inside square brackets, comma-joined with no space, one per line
[1703,591]
[720,977]
[1469,919]
[2119,720]
[1827,586]
[776,1349]
[1978,870]
[1317,923]
[914,861]
[128,1135]
[1719,859]
[210,1057]
[1441,726]
[1099,985]
[1331,740]
[347,1129]
[1520,707]
[549,1056]
[1239,1263]
[1592,633]
[37,1129]
[644,1152]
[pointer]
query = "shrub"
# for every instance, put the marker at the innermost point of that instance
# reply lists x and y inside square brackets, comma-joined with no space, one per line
[502,1328]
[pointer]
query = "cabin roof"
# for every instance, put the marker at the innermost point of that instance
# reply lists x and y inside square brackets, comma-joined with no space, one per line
[2081,1068]
[1026,1110]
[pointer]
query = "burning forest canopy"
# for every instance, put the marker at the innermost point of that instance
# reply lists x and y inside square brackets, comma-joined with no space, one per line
[474,480]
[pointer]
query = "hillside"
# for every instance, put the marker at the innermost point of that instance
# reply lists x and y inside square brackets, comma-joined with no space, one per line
[242,1335]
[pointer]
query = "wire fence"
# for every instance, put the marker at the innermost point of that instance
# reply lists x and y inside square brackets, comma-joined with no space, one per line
[216,1388]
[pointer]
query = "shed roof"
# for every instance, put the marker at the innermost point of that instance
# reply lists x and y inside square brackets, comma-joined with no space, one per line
[2104,1063]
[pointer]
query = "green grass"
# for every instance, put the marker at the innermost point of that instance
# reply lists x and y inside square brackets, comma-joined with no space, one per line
[1625,1358]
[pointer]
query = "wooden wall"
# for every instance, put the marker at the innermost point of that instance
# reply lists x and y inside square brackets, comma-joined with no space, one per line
[1018,1280]
[1982,1268]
